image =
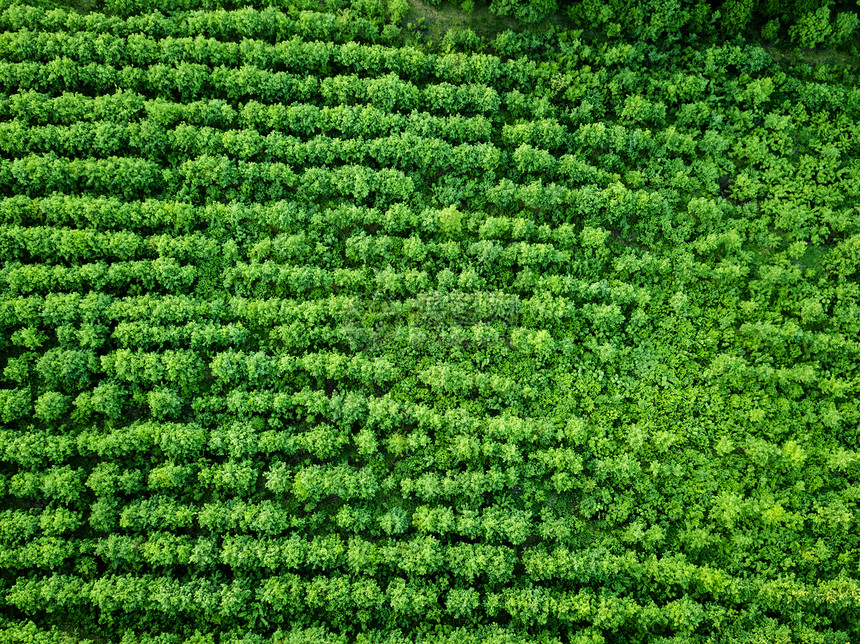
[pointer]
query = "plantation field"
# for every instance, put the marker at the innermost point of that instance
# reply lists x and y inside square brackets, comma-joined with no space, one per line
[319,325]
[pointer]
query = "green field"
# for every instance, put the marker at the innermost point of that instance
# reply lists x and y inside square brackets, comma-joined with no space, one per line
[351,321]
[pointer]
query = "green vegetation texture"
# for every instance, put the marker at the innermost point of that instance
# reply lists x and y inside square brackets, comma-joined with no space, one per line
[341,321]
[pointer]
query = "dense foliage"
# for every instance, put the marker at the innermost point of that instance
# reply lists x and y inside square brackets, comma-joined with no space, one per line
[312,333]
[806,23]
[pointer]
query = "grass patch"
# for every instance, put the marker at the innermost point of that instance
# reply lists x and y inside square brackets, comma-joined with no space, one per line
[435,22]
[813,258]
[838,58]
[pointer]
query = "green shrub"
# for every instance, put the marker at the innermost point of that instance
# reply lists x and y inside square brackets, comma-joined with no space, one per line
[397,10]
[771,30]
[844,28]
[736,15]
[461,40]
[812,28]
[51,406]
[529,11]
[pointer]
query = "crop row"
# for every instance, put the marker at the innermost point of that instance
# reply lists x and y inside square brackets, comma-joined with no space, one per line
[310,412]
[116,114]
[505,234]
[296,138]
[208,178]
[186,143]
[309,20]
[289,55]
[58,309]
[192,81]
[163,600]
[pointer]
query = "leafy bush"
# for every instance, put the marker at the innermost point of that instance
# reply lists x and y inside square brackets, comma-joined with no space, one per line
[844,28]
[397,10]
[527,11]
[812,28]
